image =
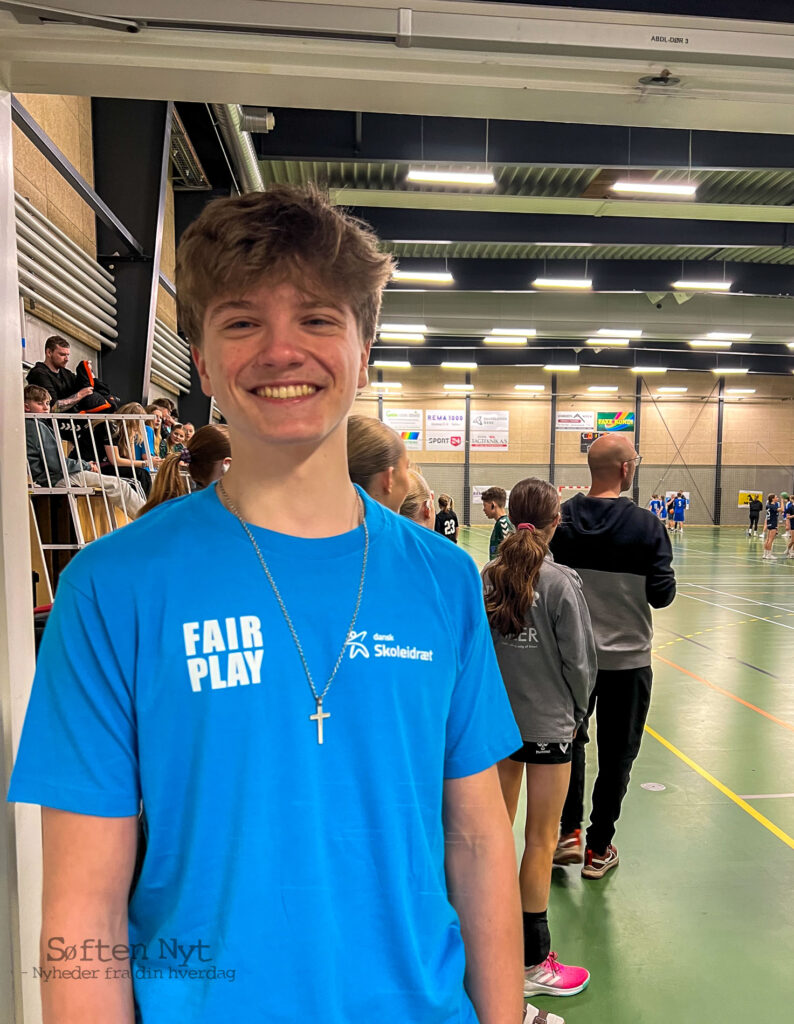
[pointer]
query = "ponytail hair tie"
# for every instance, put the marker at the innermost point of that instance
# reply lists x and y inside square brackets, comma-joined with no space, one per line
[526,526]
[185,456]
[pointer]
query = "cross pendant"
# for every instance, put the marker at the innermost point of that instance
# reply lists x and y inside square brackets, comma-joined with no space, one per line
[318,718]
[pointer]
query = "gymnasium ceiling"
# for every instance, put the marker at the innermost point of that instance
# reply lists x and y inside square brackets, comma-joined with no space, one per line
[557,101]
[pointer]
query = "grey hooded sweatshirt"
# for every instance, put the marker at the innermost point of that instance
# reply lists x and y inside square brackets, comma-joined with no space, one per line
[549,669]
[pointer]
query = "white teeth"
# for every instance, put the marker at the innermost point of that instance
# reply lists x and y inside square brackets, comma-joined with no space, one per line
[288,391]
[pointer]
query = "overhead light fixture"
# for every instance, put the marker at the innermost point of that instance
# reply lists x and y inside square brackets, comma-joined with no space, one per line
[530,387]
[409,328]
[652,188]
[699,343]
[392,364]
[569,245]
[404,338]
[385,385]
[561,367]
[522,332]
[648,369]
[582,284]
[703,286]
[721,371]
[420,241]
[790,344]
[459,366]
[512,340]
[609,342]
[483,179]
[670,391]
[603,387]
[618,332]
[459,387]
[740,391]
[728,336]
[423,276]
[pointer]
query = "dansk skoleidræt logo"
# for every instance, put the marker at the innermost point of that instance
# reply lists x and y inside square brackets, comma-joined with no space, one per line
[383,645]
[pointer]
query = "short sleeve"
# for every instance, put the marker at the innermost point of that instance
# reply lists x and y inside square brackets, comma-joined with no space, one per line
[481,728]
[78,750]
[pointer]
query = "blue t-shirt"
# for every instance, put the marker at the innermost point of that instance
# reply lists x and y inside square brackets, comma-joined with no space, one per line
[314,874]
[790,510]
[772,510]
[655,506]
[679,507]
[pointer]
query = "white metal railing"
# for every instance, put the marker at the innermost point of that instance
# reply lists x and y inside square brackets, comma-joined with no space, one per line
[171,358]
[57,274]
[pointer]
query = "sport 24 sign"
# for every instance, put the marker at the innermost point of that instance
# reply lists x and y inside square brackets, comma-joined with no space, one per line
[445,430]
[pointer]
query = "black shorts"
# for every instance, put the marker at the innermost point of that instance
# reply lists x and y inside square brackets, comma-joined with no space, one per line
[544,753]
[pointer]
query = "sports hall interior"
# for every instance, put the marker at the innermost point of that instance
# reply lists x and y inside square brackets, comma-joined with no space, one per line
[537,302]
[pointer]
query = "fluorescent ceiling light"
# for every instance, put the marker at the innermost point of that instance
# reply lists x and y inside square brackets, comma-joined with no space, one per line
[512,340]
[561,367]
[653,188]
[411,339]
[710,344]
[721,371]
[609,342]
[575,283]
[530,387]
[603,387]
[790,344]
[740,391]
[484,179]
[570,245]
[459,366]
[670,391]
[423,276]
[385,385]
[523,332]
[409,328]
[618,332]
[420,241]
[648,369]
[728,336]
[459,387]
[703,286]
[392,364]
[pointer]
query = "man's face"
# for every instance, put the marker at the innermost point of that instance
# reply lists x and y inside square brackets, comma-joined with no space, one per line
[490,510]
[284,366]
[59,356]
[630,469]
[37,405]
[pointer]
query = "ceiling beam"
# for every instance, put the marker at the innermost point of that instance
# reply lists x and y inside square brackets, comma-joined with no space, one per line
[304,134]
[607,275]
[466,226]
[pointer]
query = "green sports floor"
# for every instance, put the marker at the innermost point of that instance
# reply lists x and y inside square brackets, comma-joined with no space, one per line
[696,924]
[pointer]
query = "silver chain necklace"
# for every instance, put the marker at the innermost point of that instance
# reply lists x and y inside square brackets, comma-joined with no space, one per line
[319,715]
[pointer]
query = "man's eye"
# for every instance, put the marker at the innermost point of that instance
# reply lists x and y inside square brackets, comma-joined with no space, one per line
[239,324]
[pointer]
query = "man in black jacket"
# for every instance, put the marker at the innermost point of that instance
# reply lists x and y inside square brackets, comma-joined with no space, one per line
[54,376]
[623,556]
[756,507]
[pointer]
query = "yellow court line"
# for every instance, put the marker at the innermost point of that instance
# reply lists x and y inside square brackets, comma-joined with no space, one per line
[771,826]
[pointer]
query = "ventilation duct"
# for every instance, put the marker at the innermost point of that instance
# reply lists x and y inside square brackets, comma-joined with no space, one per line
[229,117]
[257,119]
[170,359]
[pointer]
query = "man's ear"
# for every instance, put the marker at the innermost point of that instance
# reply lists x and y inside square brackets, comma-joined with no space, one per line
[363,370]
[201,368]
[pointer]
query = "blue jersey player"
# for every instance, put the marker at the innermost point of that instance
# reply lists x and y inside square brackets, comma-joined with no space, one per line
[679,510]
[656,505]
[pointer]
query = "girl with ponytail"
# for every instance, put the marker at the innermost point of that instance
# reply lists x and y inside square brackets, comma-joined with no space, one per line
[544,644]
[204,459]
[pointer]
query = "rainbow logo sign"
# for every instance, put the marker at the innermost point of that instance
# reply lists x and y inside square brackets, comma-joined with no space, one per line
[608,421]
[409,435]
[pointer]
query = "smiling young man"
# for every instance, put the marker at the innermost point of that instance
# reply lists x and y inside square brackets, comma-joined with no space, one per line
[310,721]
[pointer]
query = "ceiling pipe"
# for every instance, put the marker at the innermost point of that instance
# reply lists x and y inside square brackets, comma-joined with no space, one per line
[229,117]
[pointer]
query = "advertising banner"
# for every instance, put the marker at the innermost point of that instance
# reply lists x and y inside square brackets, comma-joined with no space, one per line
[608,421]
[445,431]
[578,421]
[477,493]
[490,431]
[408,424]
[746,496]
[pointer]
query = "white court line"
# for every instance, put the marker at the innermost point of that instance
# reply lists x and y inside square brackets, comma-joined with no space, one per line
[749,600]
[737,611]
[767,796]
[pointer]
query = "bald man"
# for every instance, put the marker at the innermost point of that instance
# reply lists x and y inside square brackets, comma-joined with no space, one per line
[623,555]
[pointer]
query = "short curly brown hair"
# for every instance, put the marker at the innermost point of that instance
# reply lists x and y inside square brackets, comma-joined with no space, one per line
[284,233]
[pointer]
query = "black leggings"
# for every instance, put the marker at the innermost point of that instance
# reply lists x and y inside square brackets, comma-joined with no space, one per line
[754,521]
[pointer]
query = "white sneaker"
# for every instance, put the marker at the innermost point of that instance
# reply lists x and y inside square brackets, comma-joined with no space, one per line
[535,1016]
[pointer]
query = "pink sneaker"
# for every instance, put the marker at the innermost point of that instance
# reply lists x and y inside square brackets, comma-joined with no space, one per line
[551,978]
